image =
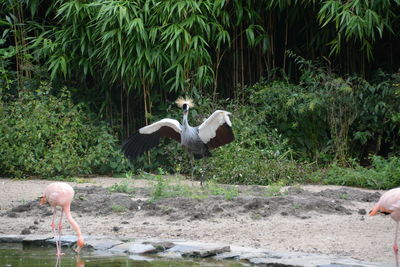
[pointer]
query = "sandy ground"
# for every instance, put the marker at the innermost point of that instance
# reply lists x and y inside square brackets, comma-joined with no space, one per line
[343,230]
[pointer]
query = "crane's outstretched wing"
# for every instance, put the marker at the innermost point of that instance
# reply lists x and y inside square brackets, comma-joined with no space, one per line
[149,136]
[216,130]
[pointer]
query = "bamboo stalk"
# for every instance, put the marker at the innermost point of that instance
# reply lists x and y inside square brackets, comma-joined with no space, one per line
[241,63]
[286,41]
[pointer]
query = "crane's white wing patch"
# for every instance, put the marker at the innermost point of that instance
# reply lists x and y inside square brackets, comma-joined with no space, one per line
[208,129]
[149,129]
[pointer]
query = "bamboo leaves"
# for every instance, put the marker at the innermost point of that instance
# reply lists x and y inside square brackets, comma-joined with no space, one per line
[358,20]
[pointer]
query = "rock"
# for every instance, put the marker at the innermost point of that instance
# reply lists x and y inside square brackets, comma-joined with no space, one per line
[124,222]
[12,214]
[66,240]
[22,208]
[198,216]
[161,246]
[141,249]
[11,238]
[362,211]
[36,239]
[36,222]
[216,208]
[33,227]
[116,228]
[25,231]
[102,244]
[137,257]
[228,256]
[204,252]
[256,203]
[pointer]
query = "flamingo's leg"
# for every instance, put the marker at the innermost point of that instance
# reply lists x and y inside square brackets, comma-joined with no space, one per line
[58,262]
[395,246]
[53,227]
[59,233]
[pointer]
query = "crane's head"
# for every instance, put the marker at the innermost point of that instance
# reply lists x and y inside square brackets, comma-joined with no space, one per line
[185,104]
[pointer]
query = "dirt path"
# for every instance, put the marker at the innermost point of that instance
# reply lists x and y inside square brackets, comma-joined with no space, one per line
[318,219]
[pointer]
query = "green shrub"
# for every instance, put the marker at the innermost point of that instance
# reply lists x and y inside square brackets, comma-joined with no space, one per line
[46,136]
[258,155]
[384,174]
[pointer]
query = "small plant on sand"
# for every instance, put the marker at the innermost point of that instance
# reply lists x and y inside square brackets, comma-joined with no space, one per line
[118,208]
[229,192]
[255,216]
[274,189]
[296,206]
[160,187]
[129,174]
[123,187]
[80,180]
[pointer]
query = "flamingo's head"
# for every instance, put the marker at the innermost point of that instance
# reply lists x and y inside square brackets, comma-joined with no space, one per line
[43,200]
[80,243]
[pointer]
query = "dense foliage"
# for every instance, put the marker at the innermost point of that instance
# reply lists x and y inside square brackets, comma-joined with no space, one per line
[46,136]
[309,83]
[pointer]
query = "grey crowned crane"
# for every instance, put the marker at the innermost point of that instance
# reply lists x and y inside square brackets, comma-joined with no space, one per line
[214,132]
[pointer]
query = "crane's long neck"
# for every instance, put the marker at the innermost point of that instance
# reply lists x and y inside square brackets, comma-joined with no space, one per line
[185,122]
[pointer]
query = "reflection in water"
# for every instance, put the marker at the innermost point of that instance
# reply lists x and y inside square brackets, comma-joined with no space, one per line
[16,255]
[79,261]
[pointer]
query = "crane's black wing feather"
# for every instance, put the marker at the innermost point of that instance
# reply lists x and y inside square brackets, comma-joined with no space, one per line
[139,143]
[224,135]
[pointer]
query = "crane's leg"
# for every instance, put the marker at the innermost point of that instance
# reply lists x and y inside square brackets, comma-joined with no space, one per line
[59,234]
[192,164]
[395,246]
[202,171]
[53,227]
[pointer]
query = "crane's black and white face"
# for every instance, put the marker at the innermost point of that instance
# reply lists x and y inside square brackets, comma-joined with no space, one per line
[185,108]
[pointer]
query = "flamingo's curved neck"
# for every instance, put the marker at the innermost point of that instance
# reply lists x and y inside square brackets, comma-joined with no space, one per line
[67,210]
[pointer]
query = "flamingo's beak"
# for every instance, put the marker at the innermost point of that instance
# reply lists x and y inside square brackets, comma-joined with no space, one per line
[80,244]
[43,200]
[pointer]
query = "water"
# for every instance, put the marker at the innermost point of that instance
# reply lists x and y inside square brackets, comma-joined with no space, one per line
[16,255]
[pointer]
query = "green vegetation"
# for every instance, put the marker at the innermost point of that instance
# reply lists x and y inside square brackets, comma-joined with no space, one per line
[383,174]
[123,187]
[46,136]
[176,187]
[118,208]
[314,88]
[274,189]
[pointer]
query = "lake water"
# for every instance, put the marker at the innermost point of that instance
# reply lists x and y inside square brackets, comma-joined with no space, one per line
[15,255]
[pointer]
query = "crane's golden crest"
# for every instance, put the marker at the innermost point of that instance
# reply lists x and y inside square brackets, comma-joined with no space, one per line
[180,101]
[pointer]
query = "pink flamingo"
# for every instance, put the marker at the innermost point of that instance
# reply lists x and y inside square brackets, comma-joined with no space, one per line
[61,194]
[389,203]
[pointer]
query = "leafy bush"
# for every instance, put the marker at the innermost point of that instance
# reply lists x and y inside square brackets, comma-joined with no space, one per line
[258,155]
[46,136]
[384,174]
[329,118]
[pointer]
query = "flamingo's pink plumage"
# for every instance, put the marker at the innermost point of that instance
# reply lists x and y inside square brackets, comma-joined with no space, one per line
[389,203]
[60,194]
